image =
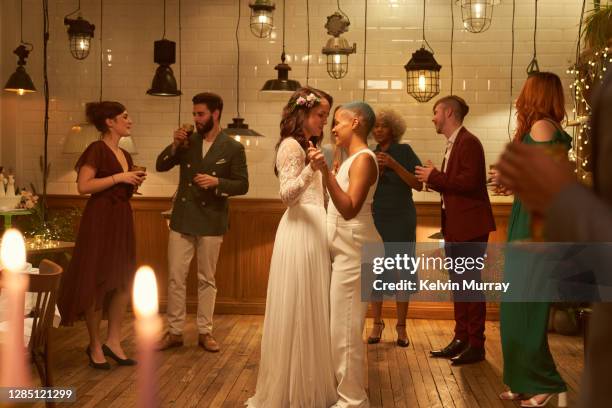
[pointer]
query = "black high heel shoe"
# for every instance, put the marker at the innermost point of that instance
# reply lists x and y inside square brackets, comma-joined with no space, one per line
[98,366]
[402,342]
[375,340]
[121,361]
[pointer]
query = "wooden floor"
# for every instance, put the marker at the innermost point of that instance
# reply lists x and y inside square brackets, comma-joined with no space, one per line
[397,377]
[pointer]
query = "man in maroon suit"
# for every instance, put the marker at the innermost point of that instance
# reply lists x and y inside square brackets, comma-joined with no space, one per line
[467,220]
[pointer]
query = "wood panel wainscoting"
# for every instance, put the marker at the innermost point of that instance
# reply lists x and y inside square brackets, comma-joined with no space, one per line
[242,272]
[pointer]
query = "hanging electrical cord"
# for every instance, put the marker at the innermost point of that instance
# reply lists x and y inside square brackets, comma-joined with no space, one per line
[101,49]
[308,46]
[238,65]
[511,70]
[21,29]
[284,8]
[77,9]
[578,58]
[164,34]
[365,46]
[180,29]
[580,31]
[533,65]
[451,44]
[45,167]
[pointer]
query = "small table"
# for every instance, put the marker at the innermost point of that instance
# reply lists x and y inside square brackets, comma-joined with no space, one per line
[10,213]
[59,246]
[60,252]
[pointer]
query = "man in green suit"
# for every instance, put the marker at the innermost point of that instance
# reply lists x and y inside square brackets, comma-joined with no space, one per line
[212,168]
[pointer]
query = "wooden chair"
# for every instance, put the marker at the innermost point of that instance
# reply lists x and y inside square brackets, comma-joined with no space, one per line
[45,285]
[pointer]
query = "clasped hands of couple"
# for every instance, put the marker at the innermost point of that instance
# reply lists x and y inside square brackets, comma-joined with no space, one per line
[317,160]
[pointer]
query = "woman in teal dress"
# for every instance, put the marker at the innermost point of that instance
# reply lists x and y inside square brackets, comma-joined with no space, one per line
[529,368]
[393,208]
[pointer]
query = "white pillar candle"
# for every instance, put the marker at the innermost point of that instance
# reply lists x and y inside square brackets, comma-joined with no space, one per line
[148,328]
[14,368]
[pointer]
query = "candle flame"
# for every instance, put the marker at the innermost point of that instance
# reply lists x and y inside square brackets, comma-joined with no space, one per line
[12,250]
[144,293]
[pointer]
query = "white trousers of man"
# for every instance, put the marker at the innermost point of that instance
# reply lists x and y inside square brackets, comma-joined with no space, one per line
[347,311]
[181,248]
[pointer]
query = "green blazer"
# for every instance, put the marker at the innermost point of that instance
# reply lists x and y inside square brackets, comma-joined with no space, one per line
[197,211]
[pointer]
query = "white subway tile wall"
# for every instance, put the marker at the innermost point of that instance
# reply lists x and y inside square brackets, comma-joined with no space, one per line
[208,53]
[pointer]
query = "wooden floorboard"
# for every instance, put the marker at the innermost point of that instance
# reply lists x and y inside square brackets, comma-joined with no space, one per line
[396,377]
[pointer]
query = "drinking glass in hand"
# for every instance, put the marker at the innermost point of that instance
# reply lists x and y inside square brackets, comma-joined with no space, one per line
[138,168]
[189,128]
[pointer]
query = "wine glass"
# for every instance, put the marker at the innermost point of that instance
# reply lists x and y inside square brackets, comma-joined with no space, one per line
[138,168]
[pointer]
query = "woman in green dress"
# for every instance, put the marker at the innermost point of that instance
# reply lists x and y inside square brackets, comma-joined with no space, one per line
[393,208]
[529,368]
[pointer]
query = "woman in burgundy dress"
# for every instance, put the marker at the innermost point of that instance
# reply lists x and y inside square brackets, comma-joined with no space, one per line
[102,269]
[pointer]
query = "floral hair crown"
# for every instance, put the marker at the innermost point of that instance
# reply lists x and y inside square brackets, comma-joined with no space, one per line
[308,102]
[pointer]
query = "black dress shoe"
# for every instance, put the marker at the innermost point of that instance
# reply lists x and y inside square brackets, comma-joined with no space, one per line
[453,349]
[469,356]
[121,361]
[98,366]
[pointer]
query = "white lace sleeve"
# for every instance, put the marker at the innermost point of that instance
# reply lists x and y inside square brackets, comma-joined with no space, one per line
[293,176]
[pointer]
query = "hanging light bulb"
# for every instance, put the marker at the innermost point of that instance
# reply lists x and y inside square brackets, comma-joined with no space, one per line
[422,82]
[337,48]
[80,33]
[20,81]
[477,14]
[262,18]
[423,72]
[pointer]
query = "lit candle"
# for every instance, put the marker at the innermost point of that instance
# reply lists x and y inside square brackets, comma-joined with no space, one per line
[15,371]
[148,328]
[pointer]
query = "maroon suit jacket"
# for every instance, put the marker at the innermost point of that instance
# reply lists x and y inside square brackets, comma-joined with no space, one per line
[463,186]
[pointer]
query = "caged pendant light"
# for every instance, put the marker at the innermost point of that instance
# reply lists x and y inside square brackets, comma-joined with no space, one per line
[337,48]
[80,33]
[262,18]
[477,14]
[423,72]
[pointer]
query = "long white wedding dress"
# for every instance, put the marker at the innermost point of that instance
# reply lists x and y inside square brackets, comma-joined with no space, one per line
[296,369]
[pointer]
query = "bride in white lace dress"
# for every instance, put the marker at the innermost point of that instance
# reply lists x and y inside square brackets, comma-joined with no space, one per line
[295,369]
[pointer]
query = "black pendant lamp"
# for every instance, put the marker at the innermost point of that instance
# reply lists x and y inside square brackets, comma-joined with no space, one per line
[282,83]
[423,72]
[238,129]
[164,82]
[80,33]
[20,82]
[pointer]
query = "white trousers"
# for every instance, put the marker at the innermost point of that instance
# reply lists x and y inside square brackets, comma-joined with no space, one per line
[347,311]
[180,252]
